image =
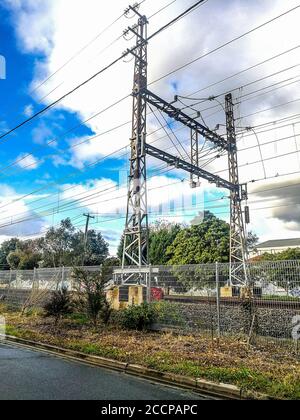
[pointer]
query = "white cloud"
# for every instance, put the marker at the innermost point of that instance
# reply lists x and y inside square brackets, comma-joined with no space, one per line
[12,204]
[28,110]
[28,162]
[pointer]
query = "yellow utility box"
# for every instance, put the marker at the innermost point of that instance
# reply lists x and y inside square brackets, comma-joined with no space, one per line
[226,292]
[123,296]
[241,292]
[230,292]
[112,297]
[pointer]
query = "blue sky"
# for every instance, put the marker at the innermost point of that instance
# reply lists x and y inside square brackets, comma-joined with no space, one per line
[37,38]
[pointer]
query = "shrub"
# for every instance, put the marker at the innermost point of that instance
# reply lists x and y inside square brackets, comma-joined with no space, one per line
[168,313]
[91,294]
[59,305]
[138,317]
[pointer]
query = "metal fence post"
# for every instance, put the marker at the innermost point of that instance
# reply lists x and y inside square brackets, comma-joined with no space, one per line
[149,284]
[62,276]
[9,284]
[34,284]
[218,301]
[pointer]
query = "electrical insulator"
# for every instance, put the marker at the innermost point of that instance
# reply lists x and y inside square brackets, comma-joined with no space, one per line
[247,215]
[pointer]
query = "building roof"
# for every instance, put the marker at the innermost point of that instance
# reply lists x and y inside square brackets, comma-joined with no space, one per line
[280,243]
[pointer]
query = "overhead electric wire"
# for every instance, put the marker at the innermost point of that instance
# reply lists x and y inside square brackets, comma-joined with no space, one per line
[161,9]
[245,70]
[270,109]
[177,209]
[174,214]
[80,51]
[259,161]
[128,52]
[242,86]
[228,43]
[101,71]
[168,134]
[111,44]
[50,211]
[25,156]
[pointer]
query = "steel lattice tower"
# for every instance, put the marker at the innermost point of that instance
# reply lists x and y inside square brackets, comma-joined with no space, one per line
[136,230]
[135,251]
[238,241]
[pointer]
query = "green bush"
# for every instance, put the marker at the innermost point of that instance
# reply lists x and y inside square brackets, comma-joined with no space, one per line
[91,294]
[138,317]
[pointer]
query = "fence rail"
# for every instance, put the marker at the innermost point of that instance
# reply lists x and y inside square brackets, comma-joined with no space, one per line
[196,297]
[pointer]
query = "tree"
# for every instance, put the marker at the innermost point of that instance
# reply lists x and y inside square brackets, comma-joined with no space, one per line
[91,294]
[252,242]
[57,245]
[64,246]
[95,252]
[162,235]
[112,262]
[6,248]
[14,259]
[205,243]
[23,260]
[290,254]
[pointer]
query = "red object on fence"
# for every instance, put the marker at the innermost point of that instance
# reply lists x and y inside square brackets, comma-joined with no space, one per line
[157,293]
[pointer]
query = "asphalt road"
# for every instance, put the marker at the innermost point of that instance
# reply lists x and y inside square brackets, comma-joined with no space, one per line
[33,375]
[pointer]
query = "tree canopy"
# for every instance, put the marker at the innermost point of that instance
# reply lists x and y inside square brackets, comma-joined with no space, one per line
[161,235]
[207,242]
[61,246]
[177,244]
[289,254]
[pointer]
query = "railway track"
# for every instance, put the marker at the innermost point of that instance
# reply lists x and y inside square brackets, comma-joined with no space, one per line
[260,303]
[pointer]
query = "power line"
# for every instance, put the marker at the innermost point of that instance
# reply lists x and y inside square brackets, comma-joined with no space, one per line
[22,158]
[80,51]
[227,43]
[161,9]
[242,86]
[245,70]
[259,161]
[269,109]
[98,73]
[214,98]
[122,99]
[111,43]
[64,209]
[168,135]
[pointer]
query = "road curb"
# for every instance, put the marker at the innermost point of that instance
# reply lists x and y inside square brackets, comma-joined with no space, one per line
[224,391]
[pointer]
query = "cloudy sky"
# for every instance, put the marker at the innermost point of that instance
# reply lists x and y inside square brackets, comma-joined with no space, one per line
[74,158]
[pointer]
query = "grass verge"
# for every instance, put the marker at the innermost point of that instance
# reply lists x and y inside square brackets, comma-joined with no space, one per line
[265,369]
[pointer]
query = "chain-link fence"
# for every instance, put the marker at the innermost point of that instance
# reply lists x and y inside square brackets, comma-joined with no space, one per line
[22,289]
[202,298]
[193,298]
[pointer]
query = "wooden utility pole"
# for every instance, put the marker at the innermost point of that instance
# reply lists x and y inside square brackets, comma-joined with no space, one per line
[88,217]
